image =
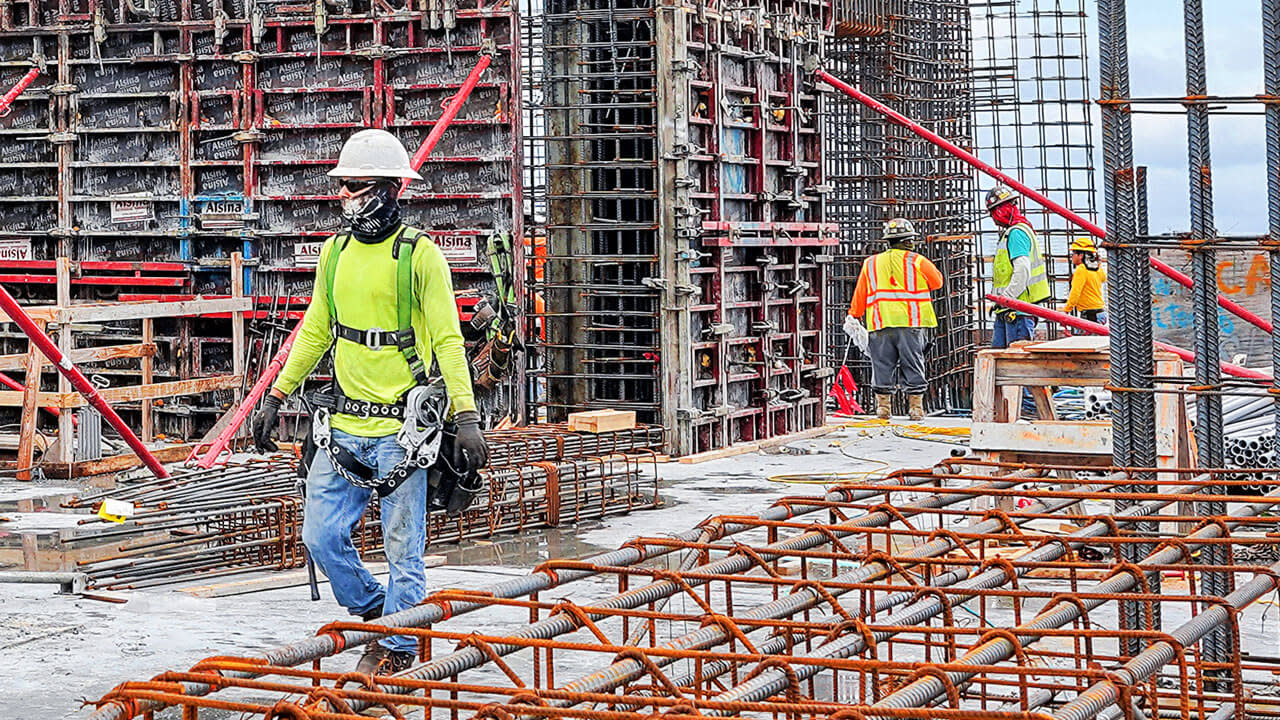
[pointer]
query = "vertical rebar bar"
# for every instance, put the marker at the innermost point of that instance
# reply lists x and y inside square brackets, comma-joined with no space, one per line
[1271,80]
[1209,439]
[1132,361]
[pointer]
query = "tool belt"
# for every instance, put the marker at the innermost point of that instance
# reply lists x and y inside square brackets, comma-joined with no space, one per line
[340,404]
[420,435]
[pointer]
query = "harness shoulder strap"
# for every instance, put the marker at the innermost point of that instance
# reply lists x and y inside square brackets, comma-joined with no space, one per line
[331,271]
[403,251]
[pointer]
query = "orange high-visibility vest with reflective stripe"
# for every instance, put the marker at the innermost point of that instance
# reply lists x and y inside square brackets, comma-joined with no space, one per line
[897,292]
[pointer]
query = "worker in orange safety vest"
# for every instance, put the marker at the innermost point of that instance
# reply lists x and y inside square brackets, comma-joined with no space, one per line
[893,296]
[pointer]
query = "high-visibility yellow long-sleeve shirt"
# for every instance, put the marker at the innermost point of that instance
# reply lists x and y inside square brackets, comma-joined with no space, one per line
[1086,289]
[364,293]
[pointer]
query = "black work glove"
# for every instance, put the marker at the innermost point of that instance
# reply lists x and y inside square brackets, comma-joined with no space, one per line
[470,453]
[264,423]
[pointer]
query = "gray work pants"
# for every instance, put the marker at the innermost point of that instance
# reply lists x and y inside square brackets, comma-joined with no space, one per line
[897,360]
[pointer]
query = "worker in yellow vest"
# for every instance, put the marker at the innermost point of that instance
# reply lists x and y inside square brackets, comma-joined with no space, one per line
[1018,271]
[893,296]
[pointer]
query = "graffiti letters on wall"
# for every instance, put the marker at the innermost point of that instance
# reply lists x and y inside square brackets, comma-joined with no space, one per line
[1244,277]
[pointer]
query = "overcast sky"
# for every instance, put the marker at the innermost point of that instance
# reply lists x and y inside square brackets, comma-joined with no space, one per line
[1233,41]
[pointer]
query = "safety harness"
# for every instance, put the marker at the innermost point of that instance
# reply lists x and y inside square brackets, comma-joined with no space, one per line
[423,410]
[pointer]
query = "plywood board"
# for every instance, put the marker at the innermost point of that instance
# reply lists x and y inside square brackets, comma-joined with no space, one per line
[1076,343]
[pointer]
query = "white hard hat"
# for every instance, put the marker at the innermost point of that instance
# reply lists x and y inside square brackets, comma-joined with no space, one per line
[374,153]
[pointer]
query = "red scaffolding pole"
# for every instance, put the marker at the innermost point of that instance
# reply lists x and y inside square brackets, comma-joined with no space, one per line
[1094,328]
[23,83]
[1057,208]
[215,448]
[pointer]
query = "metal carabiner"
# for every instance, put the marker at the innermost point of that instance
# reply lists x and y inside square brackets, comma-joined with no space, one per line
[320,432]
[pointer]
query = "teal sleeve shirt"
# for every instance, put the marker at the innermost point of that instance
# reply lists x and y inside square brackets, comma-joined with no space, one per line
[1019,243]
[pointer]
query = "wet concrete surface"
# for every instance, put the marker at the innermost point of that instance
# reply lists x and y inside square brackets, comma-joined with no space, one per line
[56,651]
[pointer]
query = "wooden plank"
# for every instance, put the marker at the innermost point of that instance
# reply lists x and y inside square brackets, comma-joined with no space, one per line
[10,398]
[116,463]
[148,309]
[28,399]
[65,450]
[984,387]
[1045,409]
[1080,437]
[80,356]
[148,377]
[1083,437]
[1046,371]
[598,421]
[287,579]
[744,448]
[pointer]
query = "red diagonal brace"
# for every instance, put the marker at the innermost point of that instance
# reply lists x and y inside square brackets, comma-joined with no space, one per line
[215,448]
[450,112]
[1061,210]
[1097,329]
[78,380]
[17,90]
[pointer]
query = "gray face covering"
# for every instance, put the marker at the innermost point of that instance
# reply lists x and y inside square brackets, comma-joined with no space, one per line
[374,214]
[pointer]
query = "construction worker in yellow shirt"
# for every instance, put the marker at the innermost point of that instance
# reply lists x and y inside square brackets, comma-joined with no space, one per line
[386,426]
[893,296]
[1087,282]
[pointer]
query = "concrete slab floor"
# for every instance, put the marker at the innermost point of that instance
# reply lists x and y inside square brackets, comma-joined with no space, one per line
[57,651]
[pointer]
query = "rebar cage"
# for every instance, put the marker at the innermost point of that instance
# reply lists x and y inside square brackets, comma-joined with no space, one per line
[971,590]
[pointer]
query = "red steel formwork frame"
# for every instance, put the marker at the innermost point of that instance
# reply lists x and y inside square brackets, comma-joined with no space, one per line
[685,231]
[159,138]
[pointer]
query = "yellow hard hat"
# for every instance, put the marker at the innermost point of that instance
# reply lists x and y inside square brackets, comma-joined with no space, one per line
[1083,244]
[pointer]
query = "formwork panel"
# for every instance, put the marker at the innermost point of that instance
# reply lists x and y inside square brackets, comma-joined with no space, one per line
[684,230]
[186,130]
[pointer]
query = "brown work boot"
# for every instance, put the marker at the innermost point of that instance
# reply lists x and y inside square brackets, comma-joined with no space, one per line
[378,659]
[884,404]
[917,407]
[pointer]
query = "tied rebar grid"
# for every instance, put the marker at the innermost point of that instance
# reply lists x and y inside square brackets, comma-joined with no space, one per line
[1033,118]
[880,599]
[1129,281]
[231,520]
[920,64]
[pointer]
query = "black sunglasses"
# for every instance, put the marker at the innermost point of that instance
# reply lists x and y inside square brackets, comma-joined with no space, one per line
[357,186]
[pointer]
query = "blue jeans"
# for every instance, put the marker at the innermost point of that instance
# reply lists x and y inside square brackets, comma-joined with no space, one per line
[1008,333]
[334,508]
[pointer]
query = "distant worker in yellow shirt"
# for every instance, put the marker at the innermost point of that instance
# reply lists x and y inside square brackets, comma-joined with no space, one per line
[1087,281]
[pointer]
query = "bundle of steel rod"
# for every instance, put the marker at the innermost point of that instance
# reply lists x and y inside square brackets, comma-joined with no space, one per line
[218,532]
[516,446]
[883,599]
[246,517]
